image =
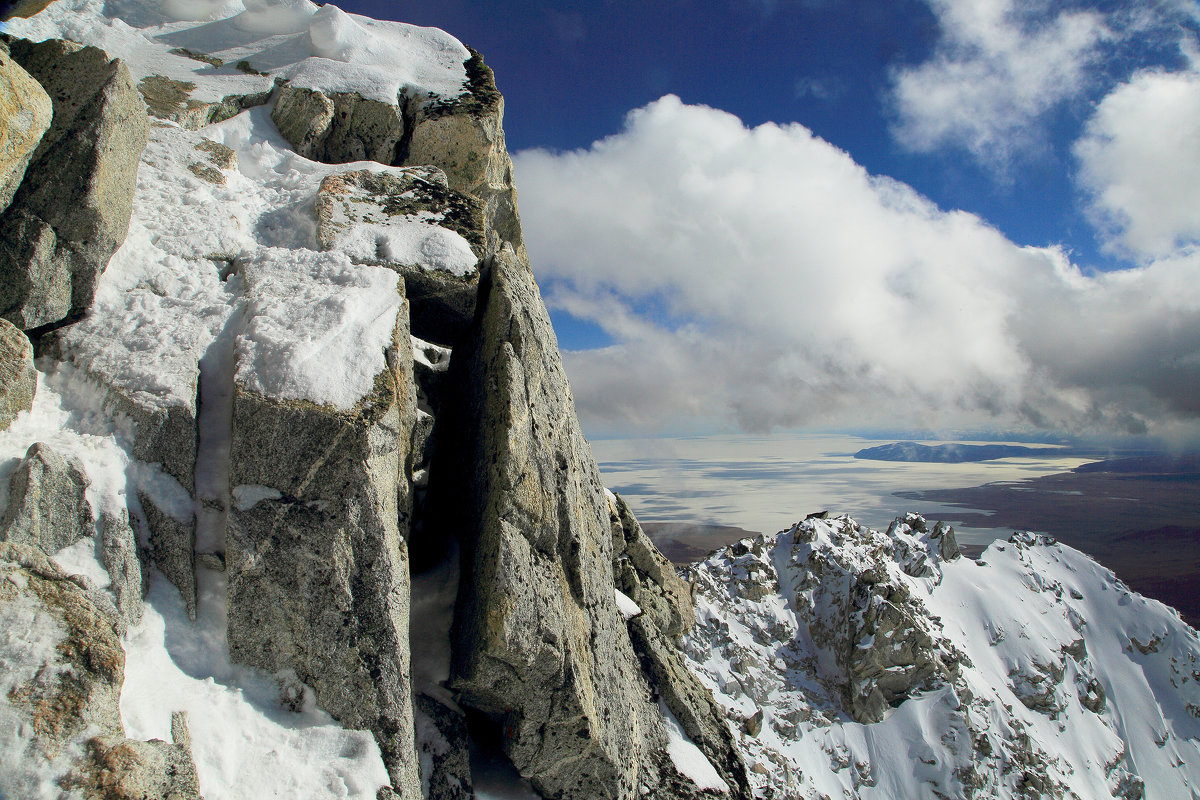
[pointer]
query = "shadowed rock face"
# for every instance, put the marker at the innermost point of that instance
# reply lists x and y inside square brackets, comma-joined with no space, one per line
[72,211]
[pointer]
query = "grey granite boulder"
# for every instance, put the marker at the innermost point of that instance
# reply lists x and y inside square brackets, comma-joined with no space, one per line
[72,211]
[464,136]
[338,127]
[18,378]
[315,552]
[47,505]
[25,112]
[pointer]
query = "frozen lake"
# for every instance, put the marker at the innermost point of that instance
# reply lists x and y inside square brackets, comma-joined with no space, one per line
[766,483]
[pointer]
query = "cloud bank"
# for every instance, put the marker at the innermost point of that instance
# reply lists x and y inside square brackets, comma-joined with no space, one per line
[1140,162]
[758,278]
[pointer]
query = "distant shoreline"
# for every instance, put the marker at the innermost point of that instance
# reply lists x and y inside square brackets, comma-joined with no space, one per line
[1139,517]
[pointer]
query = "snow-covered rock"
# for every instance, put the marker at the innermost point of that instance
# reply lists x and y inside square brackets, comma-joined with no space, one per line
[1031,672]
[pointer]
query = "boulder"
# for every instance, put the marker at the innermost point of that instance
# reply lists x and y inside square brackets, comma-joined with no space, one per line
[18,378]
[72,211]
[539,644]
[25,112]
[412,222]
[464,137]
[315,552]
[47,506]
[338,127]
[60,690]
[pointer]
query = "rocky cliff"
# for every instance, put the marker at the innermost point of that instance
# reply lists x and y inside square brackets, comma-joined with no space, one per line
[301,435]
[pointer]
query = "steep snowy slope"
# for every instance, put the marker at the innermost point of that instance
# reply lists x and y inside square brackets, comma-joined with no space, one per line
[885,665]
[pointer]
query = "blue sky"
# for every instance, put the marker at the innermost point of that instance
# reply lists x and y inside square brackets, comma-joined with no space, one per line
[1060,301]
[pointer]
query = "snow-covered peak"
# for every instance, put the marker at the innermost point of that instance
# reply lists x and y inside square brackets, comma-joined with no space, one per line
[1032,671]
[226,47]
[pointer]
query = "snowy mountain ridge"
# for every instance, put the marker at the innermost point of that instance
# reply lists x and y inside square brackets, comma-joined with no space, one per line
[884,664]
[296,504]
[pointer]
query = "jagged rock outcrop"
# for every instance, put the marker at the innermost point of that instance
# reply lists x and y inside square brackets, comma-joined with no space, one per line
[61,669]
[645,576]
[47,504]
[25,112]
[72,210]
[315,552]
[18,378]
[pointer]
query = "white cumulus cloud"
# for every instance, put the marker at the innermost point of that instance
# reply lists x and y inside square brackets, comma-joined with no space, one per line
[759,277]
[998,69]
[1140,163]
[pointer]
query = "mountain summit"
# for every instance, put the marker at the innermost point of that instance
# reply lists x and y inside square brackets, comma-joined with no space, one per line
[294,501]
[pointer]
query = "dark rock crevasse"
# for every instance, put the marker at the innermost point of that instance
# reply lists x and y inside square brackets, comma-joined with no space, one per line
[72,210]
[539,644]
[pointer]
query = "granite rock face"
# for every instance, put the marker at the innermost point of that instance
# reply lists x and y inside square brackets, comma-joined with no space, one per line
[18,378]
[47,505]
[413,223]
[72,211]
[315,552]
[539,644]
[464,136]
[25,112]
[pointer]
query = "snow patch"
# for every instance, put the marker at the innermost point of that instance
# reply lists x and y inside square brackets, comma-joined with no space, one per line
[629,609]
[248,495]
[688,758]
